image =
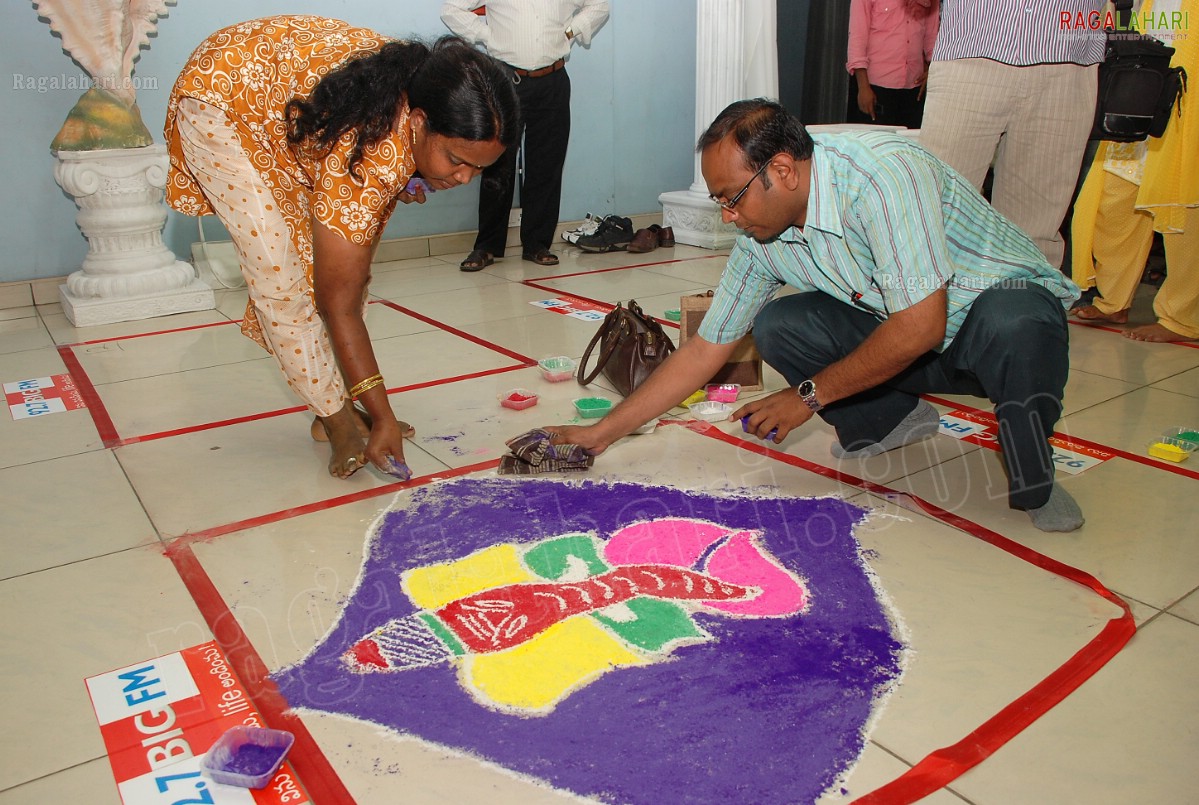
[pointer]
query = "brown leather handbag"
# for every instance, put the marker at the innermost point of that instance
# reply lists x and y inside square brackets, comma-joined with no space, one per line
[632,345]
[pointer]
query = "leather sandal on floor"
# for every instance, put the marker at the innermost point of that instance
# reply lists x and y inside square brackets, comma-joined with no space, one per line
[542,257]
[477,260]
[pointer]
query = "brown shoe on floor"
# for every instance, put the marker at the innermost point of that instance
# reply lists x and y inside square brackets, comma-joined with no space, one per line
[477,260]
[645,240]
[542,257]
[666,236]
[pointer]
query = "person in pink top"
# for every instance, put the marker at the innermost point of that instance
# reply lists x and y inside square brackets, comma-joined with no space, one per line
[890,45]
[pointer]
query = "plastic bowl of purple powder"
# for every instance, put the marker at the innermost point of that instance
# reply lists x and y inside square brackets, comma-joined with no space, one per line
[247,757]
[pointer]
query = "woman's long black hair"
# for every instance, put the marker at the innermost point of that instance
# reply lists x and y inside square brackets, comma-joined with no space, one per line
[465,94]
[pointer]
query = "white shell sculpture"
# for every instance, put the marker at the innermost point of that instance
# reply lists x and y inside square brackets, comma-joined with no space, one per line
[104,37]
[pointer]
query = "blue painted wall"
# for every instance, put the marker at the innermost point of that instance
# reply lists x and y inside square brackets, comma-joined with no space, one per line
[632,133]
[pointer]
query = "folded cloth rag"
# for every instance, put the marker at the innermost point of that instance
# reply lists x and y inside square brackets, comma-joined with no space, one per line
[534,452]
[511,465]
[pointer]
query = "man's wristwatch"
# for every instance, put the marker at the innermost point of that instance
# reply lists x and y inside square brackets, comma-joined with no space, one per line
[807,393]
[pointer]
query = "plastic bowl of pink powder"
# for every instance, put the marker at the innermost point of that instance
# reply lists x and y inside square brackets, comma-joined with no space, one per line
[248,757]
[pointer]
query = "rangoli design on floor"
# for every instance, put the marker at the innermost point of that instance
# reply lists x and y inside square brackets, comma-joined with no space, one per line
[622,642]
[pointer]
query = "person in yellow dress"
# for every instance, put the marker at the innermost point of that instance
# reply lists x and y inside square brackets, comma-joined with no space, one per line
[1134,189]
[301,133]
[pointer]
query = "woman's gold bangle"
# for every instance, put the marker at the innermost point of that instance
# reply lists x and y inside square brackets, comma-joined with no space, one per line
[366,385]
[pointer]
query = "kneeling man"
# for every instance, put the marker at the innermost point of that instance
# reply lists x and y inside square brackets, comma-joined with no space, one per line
[909,283]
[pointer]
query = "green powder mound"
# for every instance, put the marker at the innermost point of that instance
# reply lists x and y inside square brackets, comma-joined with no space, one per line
[99,121]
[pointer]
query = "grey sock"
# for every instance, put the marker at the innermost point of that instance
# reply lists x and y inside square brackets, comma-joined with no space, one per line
[922,421]
[1060,512]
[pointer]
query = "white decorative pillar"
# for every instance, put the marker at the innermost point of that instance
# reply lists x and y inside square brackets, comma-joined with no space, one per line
[128,272]
[735,57]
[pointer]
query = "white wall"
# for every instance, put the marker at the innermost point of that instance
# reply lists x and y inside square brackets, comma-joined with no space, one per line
[632,131]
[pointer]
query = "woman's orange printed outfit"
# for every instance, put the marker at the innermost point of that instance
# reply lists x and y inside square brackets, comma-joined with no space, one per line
[226,134]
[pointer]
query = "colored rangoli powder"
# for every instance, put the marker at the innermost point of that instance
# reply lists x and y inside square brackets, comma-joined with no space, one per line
[252,759]
[518,399]
[1169,452]
[592,407]
[671,692]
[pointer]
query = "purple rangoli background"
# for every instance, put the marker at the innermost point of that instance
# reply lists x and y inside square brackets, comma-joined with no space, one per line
[771,711]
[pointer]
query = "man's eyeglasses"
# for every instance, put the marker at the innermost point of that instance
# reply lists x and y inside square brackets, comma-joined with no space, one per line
[728,205]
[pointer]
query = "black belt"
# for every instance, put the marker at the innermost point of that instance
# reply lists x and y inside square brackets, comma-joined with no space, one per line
[539,72]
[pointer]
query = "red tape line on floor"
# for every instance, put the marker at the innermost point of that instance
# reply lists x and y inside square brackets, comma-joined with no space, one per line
[95,406]
[166,434]
[1191,344]
[527,361]
[316,774]
[1146,460]
[943,766]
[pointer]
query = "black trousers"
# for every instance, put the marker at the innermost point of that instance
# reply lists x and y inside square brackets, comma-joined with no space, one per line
[545,114]
[894,107]
[1013,349]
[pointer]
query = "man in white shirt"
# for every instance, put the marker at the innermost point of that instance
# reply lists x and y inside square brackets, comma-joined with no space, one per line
[534,38]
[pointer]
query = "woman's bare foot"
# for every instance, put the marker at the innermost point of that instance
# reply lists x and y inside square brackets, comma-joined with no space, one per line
[1156,333]
[346,441]
[320,434]
[1092,313]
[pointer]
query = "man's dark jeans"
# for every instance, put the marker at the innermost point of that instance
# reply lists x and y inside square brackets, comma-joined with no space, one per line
[1013,349]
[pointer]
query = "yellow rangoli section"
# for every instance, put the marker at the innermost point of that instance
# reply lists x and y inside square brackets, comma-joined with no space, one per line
[541,672]
[435,586]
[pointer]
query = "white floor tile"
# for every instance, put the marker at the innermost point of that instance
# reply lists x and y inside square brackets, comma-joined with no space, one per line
[1187,608]
[620,286]
[983,625]
[75,621]
[104,516]
[1131,421]
[88,782]
[1182,383]
[1111,355]
[66,333]
[19,335]
[990,618]
[1127,735]
[14,313]
[199,397]
[201,480]
[1143,550]
[165,352]
[475,305]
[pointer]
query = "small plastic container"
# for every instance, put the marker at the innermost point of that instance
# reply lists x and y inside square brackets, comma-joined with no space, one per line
[723,392]
[593,407]
[698,396]
[247,756]
[557,369]
[674,315]
[1186,434]
[710,411]
[1171,449]
[518,399]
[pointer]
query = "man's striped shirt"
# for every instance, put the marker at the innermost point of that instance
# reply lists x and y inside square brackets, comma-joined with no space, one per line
[887,225]
[1021,32]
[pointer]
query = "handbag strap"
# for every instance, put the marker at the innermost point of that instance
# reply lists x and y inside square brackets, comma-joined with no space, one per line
[613,317]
